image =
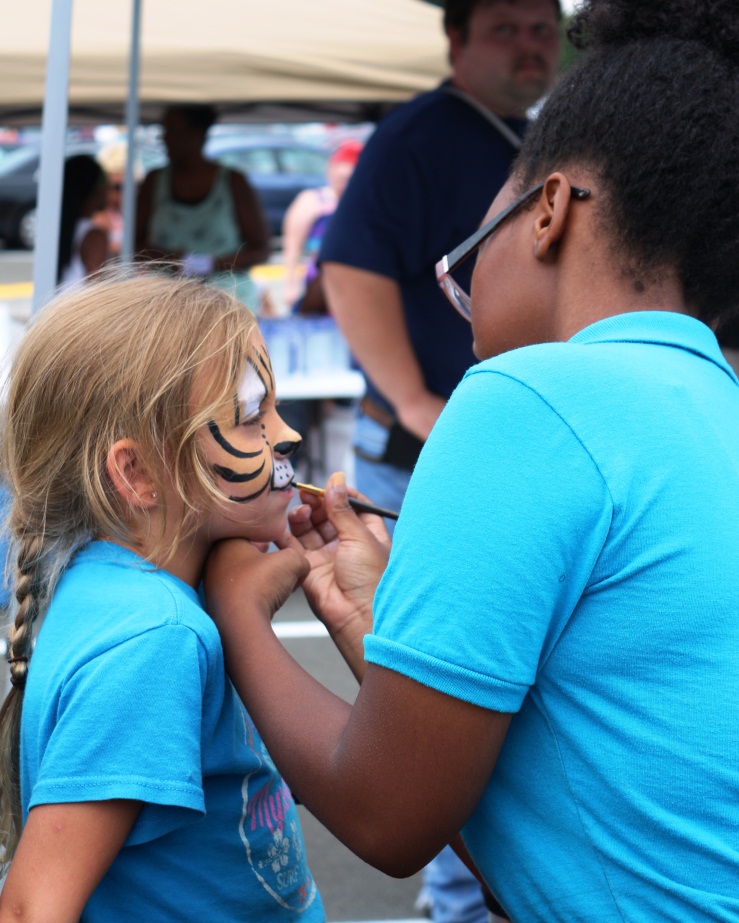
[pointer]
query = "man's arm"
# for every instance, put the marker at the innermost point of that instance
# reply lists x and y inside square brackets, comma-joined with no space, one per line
[369,310]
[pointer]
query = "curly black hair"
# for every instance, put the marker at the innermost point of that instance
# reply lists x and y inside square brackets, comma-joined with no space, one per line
[652,109]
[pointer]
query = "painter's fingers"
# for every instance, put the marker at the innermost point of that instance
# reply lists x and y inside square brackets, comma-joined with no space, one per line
[348,521]
[311,525]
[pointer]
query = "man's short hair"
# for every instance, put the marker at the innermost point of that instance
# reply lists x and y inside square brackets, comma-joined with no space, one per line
[457,13]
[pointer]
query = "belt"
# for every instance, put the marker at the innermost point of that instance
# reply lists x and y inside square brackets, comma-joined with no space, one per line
[377,413]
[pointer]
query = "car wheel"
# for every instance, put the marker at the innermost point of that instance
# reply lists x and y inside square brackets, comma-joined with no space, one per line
[27,229]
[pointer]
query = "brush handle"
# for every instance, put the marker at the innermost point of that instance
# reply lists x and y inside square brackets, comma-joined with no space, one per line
[360,505]
[363,507]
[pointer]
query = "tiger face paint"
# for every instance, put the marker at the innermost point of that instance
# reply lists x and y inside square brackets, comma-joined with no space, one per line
[250,453]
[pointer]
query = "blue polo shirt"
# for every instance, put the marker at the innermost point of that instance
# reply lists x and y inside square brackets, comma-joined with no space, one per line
[423,184]
[568,551]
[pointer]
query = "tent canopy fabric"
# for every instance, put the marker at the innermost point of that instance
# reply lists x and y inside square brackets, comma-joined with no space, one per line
[313,59]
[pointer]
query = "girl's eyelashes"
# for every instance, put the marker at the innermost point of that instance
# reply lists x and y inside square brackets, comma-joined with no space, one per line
[253,418]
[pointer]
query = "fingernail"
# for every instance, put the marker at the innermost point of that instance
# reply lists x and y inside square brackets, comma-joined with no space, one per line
[336,487]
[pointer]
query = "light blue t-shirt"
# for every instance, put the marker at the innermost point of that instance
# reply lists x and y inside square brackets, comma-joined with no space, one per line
[568,550]
[127,697]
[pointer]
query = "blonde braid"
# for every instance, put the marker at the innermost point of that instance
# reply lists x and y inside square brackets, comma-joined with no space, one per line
[27,586]
[30,592]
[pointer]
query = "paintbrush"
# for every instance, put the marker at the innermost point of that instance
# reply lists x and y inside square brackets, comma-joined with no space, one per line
[360,505]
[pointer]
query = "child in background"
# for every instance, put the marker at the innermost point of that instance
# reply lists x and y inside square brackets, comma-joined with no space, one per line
[140,428]
[112,158]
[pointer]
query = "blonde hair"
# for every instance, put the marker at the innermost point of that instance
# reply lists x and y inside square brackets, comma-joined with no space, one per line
[119,359]
[112,158]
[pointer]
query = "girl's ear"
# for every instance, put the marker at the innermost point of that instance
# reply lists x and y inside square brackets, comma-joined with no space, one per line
[129,474]
[552,216]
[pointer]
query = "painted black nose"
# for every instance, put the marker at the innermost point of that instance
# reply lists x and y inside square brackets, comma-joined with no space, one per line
[286,449]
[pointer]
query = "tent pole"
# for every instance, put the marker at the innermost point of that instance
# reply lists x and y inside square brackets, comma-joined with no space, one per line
[53,140]
[132,124]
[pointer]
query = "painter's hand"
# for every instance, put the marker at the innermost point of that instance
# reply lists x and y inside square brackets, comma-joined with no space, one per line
[243,582]
[347,552]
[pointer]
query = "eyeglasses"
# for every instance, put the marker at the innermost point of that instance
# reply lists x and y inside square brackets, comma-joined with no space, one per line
[458,297]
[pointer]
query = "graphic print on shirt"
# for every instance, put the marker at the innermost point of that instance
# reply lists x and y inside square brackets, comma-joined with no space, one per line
[270,830]
[258,471]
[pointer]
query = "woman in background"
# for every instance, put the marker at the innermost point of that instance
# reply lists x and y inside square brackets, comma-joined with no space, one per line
[552,668]
[199,215]
[305,224]
[83,244]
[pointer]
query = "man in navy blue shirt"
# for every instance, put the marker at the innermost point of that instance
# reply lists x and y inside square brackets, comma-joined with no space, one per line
[423,183]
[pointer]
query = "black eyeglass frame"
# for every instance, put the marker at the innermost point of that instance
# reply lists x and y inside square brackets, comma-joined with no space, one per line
[457,296]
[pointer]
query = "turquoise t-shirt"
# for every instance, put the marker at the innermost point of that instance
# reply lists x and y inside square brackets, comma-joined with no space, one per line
[127,697]
[568,551]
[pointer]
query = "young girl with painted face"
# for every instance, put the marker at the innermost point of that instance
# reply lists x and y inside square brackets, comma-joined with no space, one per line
[140,427]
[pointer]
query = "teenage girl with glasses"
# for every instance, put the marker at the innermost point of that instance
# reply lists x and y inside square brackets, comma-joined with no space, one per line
[552,668]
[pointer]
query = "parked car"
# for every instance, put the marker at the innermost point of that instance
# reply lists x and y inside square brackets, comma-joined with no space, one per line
[18,189]
[19,173]
[9,147]
[277,168]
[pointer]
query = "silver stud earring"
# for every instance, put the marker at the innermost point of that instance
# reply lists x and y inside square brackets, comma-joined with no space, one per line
[153,495]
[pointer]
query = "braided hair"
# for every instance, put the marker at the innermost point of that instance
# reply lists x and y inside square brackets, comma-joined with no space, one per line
[652,108]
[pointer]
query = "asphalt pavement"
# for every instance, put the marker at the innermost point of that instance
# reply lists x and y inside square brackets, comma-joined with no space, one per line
[351,890]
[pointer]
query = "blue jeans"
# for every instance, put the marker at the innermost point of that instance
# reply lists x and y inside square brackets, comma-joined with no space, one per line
[383,484]
[450,890]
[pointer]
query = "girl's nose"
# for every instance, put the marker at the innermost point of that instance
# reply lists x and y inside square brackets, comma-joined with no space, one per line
[286,449]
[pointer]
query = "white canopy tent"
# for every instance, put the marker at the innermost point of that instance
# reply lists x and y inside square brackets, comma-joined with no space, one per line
[280,60]
[241,54]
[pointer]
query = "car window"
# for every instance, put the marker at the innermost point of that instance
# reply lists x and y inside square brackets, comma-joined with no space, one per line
[7,149]
[300,160]
[21,161]
[253,160]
